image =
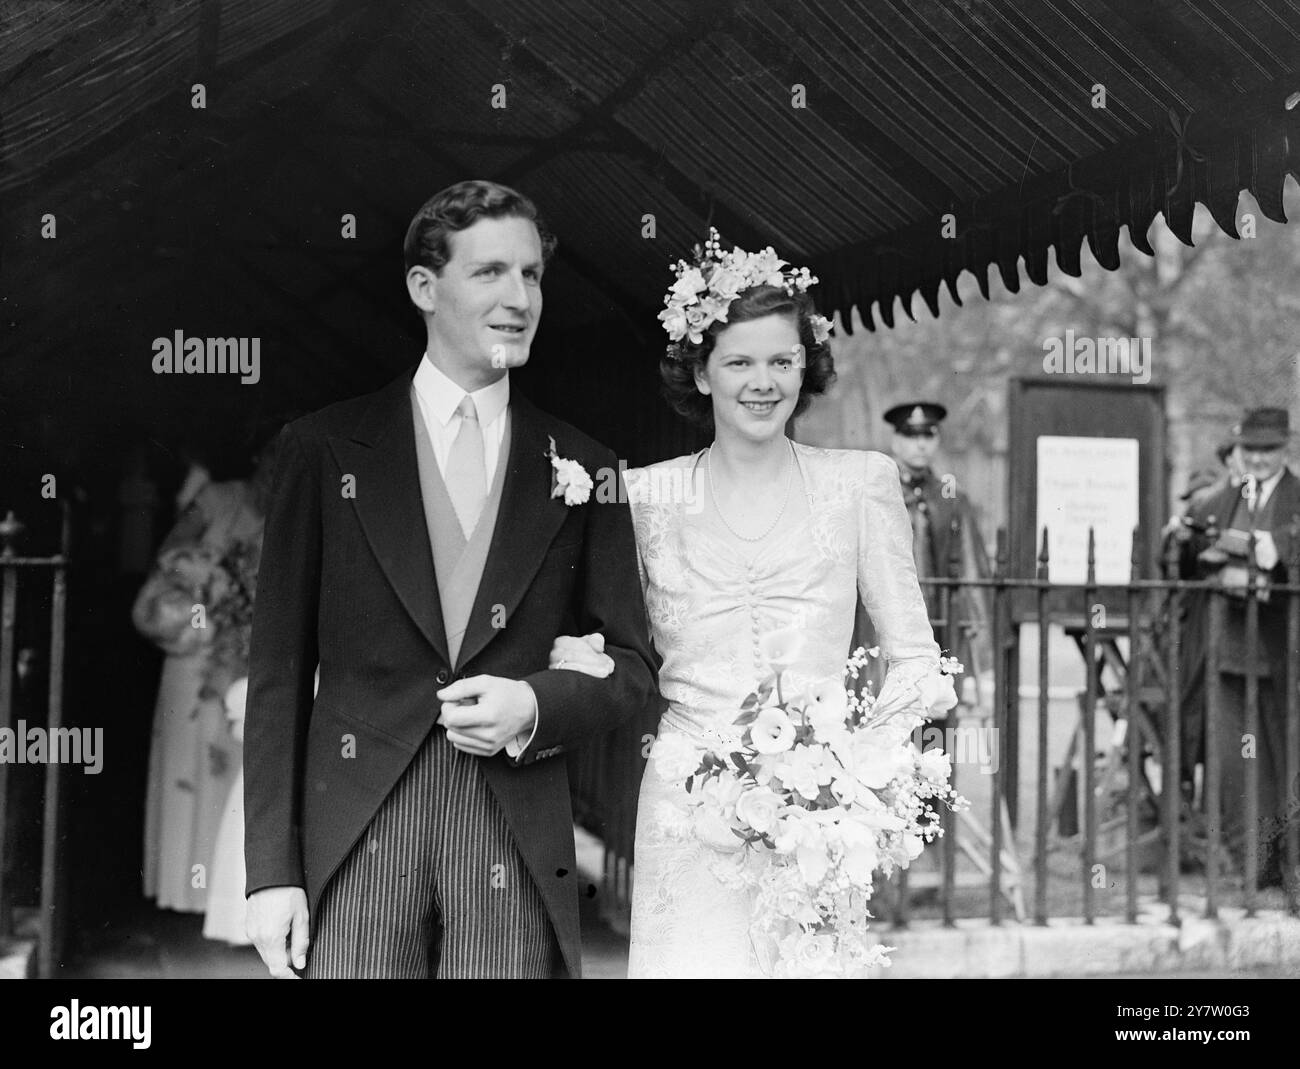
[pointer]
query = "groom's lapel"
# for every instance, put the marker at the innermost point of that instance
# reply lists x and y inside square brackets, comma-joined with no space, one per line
[527,521]
[380,453]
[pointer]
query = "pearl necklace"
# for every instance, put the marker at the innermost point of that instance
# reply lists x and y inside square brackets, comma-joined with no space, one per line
[789,480]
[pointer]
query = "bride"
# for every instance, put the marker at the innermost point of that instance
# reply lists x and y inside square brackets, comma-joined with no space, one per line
[759,534]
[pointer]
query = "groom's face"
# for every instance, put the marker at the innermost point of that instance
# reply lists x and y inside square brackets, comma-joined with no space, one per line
[487,300]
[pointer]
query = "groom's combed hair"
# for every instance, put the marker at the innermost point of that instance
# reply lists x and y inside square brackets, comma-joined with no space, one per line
[459,207]
[678,370]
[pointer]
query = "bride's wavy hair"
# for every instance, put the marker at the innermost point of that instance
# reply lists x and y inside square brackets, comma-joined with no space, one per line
[677,368]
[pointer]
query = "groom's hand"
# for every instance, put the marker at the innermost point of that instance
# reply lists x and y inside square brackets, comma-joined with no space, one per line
[277,925]
[483,713]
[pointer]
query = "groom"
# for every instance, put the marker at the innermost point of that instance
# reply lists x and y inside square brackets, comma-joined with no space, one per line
[412,818]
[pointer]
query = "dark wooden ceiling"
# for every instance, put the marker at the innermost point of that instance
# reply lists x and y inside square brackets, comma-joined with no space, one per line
[226,220]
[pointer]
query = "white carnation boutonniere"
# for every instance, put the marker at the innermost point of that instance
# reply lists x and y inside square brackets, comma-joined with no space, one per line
[571,479]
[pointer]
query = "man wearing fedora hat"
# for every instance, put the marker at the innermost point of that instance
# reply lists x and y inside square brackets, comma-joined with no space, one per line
[1267,504]
[1204,484]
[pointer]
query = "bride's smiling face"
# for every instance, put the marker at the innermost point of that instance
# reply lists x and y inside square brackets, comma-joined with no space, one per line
[753,376]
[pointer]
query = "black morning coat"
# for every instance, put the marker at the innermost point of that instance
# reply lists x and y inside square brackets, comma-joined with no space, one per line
[347,582]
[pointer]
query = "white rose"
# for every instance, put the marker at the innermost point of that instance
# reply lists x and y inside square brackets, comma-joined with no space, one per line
[758,807]
[714,308]
[690,283]
[674,321]
[814,952]
[935,766]
[675,757]
[725,283]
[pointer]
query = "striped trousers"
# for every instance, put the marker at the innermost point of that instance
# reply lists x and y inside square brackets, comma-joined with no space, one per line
[435,886]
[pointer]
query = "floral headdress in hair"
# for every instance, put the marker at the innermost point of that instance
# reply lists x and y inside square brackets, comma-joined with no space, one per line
[703,290]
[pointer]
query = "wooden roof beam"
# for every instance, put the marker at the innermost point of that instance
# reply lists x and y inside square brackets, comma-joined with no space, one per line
[599,124]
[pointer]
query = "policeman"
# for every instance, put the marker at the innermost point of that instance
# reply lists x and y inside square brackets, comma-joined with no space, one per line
[933,503]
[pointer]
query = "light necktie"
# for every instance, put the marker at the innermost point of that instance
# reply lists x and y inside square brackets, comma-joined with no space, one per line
[466,475]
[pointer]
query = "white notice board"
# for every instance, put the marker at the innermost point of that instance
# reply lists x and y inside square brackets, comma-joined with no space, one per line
[1082,483]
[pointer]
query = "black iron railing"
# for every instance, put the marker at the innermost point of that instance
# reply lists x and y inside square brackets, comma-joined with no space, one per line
[15,573]
[1149,712]
[1126,787]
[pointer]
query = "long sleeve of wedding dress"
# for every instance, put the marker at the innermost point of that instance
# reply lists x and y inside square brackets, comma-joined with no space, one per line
[887,581]
[709,606]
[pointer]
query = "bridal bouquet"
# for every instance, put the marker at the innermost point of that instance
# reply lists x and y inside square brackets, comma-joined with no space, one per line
[229,593]
[164,610]
[824,790]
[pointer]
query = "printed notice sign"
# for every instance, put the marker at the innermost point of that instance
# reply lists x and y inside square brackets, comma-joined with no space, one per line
[1082,483]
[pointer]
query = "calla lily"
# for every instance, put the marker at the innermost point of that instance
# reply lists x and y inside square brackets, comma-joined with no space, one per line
[781,649]
[772,732]
[827,708]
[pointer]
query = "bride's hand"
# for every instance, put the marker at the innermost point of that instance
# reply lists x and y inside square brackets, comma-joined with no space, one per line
[585,654]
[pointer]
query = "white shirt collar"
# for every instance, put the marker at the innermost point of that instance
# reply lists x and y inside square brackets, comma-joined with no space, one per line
[441,396]
[1266,485]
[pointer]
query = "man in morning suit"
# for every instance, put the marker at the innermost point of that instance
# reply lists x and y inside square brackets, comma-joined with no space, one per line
[413,819]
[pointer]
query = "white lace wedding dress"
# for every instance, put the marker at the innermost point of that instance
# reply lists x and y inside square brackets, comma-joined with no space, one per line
[708,606]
